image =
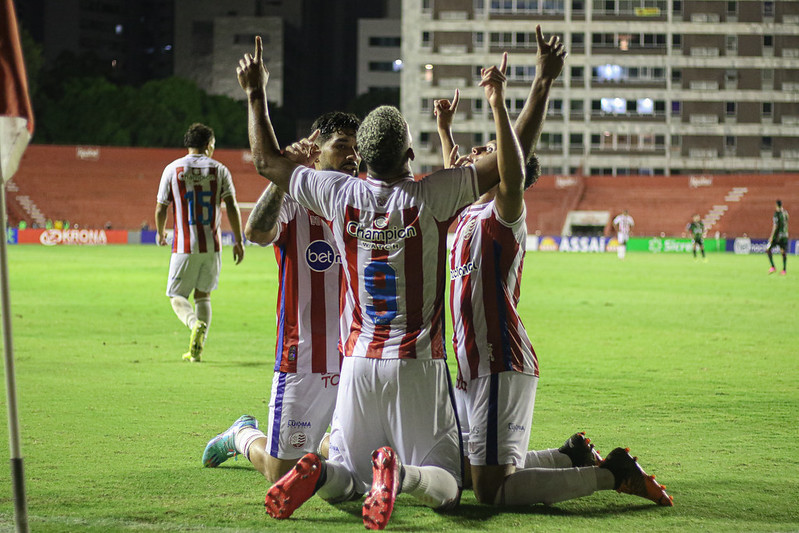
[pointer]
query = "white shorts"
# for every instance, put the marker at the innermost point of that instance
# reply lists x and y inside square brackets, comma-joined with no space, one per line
[300,410]
[403,403]
[500,411]
[623,238]
[193,271]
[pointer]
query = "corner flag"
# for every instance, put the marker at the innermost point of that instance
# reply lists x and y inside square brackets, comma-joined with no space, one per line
[16,128]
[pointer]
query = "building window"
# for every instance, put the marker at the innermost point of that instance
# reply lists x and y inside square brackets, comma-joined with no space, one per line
[426,39]
[424,140]
[387,42]
[768,78]
[576,140]
[578,39]
[576,107]
[768,8]
[731,109]
[644,106]
[676,75]
[731,42]
[766,109]
[578,6]
[478,39]
[729,143]
[577,73]
[676,41]
[732,8]
[676,107]
[676,7]
[768,41]
[615,106]
[381,66]
[765,144]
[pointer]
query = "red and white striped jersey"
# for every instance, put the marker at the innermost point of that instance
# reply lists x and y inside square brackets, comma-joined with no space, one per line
[485,271]
[195,185]
[392,240]
[625,224]
[308,296]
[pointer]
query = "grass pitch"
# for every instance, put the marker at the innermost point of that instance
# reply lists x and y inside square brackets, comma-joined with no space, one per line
[693,366]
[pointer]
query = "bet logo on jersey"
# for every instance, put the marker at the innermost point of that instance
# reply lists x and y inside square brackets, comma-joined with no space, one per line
[320,256]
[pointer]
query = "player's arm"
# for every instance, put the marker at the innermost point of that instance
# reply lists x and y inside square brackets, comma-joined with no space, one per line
[234,217]
[549,64]
[160,223]
[444,110]
[269,162]
[509,200]
[262,224]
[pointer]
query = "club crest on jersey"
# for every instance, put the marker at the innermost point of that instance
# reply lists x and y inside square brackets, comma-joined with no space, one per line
[469,230]
[320,256]
[381,222]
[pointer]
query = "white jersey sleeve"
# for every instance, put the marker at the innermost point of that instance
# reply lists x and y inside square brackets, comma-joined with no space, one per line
[226,182]
[446,191]
[165,187]
[320,190]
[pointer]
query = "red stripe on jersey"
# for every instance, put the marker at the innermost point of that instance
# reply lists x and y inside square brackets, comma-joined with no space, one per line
[466,297]
[414,280]
[319,321]
[288,332]
[493,298]
[198,212]
[185,231]
[214,195]
[352,278]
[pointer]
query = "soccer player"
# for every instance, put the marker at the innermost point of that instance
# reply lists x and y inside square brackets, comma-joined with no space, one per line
[779,237]
[697,230]
[307,361]
[497,366]
[623,224]
[196,185]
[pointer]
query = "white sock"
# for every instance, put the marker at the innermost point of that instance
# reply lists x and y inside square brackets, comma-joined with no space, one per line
[551,485]
[244,438]
[202,307]
[339,484]
[431,485]
[183,309]
[550,458]
[621,250]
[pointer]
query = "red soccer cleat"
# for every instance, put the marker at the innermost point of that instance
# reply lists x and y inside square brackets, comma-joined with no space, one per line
[631,478]
[294,488]
[379,501]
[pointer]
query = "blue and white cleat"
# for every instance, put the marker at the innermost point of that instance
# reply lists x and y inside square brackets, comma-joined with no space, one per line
[222,447]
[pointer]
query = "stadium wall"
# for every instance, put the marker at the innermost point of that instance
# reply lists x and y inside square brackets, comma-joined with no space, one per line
[114,187]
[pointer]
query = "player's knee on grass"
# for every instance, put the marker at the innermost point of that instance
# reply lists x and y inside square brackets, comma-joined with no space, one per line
[487,481]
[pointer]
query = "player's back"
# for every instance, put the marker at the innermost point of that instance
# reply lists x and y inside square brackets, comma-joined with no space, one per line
[195,185]
[392,240]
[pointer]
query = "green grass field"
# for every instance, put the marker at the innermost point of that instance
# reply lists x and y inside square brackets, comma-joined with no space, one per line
[693,366]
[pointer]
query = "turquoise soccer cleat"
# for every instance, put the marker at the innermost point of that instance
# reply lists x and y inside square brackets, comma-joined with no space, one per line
[222,447]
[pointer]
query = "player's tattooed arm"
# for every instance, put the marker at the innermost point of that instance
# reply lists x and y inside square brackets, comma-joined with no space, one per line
[262,224]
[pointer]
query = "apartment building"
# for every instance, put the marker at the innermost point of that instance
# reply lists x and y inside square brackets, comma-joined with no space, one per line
[650,87]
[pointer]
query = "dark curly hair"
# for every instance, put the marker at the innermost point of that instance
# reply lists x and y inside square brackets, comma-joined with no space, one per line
[532,171]
[198,136]
[329,123]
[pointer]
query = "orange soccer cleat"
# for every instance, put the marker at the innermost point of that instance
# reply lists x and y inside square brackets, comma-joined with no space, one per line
[294,488]
[631,478]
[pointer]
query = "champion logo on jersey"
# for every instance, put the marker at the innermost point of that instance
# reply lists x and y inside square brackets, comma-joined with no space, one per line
[381,222]
[320,256]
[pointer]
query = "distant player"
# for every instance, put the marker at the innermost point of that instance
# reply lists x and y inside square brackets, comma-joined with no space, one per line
[779,237]
[196,185]
[623,224]
[697,230]
[307,358]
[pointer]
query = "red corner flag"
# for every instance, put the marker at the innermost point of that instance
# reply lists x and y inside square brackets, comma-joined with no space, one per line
[16,115]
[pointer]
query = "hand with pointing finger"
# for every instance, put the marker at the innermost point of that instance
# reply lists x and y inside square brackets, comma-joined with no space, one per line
[444,110]
[550,56]
[494,82]
[305,151]
[251,71]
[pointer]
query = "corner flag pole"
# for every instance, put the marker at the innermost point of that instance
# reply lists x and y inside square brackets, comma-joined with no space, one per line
[16,129]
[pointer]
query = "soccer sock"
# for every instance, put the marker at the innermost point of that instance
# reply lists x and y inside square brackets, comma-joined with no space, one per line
[202,307]
[771,259]
[431,485]
[339,485]
[621,250]
[703,253]
[550,458]
[551,485]
[784,261]
[245,437]
[183,309]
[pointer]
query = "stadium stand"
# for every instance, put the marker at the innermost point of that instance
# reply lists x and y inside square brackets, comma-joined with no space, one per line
[91,186]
